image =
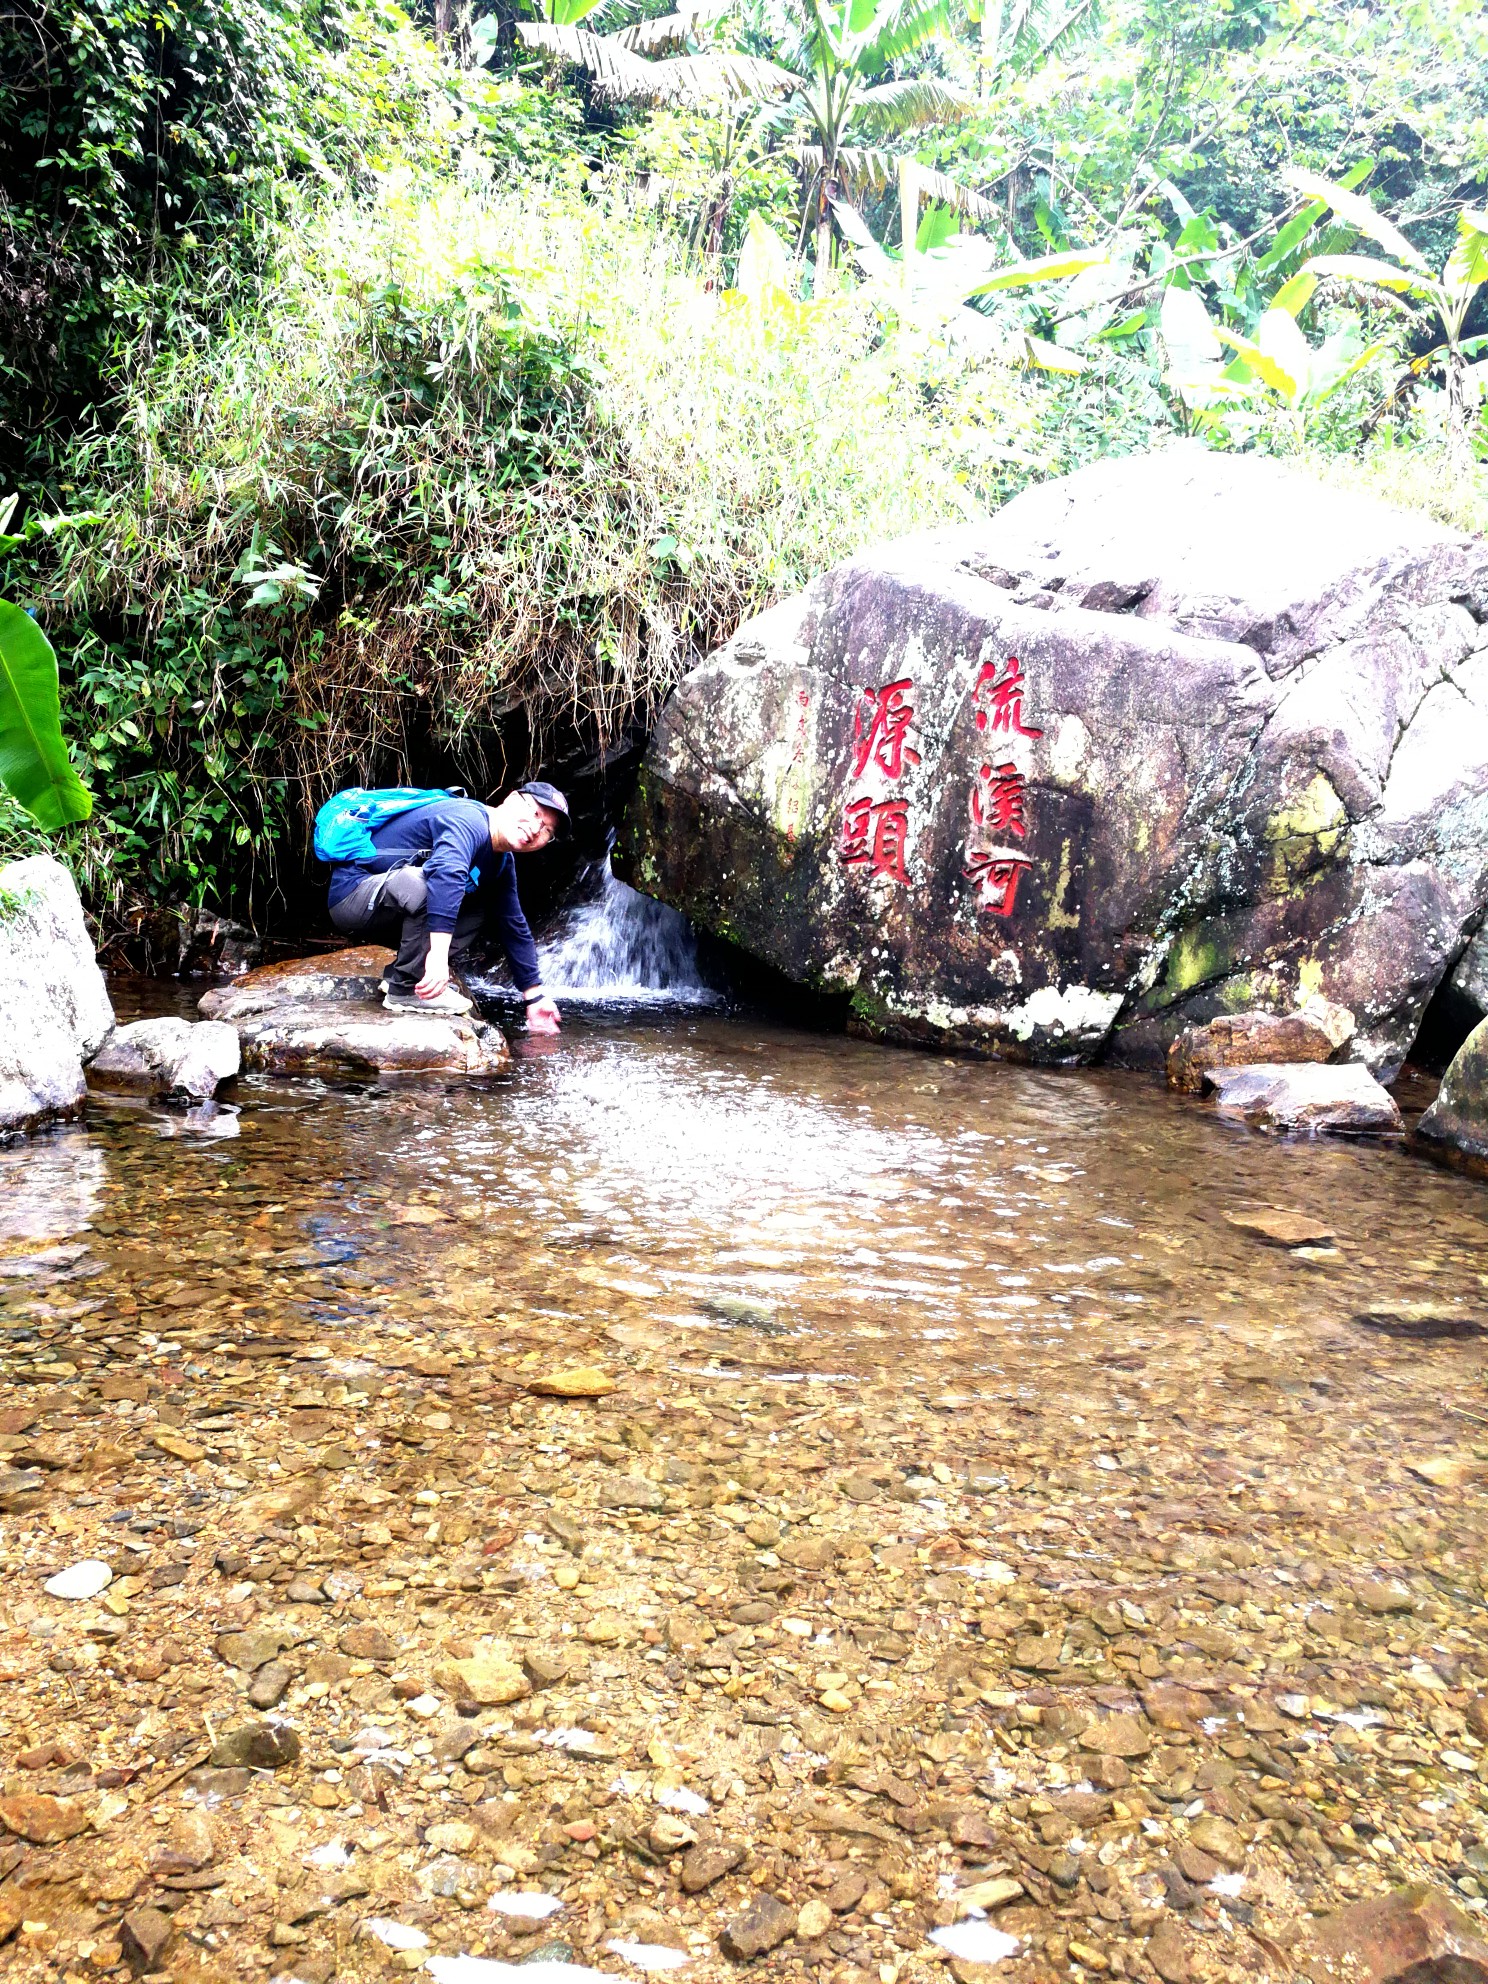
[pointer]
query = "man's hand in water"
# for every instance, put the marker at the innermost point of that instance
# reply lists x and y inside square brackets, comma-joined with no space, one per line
[543,1016]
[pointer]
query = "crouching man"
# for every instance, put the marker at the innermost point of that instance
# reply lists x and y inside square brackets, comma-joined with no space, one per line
[443,873]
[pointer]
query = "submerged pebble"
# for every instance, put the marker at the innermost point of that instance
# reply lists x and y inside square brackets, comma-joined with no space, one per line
[1076,1587]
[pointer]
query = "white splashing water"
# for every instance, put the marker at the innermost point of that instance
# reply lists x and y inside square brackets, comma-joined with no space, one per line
[613,944]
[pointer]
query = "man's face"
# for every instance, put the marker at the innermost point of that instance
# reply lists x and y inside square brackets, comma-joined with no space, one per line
[522,824]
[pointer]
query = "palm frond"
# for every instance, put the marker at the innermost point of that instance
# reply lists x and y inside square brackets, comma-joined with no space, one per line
[1080,20]
[689,81]
[682,81]
[615,71]
[808,157]
[859,168]
[908,105]
[901,31]
[1017,35]
[865,169]
[667,34]
[950,193]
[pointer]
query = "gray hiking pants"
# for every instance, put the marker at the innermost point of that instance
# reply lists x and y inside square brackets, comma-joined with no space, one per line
[390,909]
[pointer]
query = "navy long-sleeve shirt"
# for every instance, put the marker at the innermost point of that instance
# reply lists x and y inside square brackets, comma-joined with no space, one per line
[448,839]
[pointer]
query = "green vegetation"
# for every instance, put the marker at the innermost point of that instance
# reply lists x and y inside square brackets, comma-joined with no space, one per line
[423,399]
[35,768]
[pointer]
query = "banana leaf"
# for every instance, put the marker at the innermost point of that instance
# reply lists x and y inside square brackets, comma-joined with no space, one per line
[34,766]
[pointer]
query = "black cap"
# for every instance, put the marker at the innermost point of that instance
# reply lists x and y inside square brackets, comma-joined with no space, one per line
[549,796]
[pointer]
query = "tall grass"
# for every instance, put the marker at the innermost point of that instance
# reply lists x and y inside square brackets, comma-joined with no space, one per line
[1419,473]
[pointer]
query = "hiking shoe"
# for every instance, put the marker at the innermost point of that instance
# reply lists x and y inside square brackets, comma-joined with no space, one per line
[449,1001]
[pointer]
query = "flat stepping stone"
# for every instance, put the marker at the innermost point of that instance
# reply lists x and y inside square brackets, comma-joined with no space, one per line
[351,974]
[342,1037]
[325,1016]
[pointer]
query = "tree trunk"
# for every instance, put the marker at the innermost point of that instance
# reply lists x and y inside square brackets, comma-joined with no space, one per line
[713,241]
[821,278]
[1460,413]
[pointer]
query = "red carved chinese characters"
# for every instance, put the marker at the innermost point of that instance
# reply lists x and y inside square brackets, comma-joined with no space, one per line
[999,800]
[881,730]
[997,876]
[876,837]
[875,829]
[1004,705]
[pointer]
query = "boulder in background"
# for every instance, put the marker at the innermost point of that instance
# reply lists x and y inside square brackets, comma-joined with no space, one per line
[1458,1119]
[1175,737]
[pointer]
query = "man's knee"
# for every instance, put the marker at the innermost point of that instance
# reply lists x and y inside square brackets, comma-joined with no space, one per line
[405,889]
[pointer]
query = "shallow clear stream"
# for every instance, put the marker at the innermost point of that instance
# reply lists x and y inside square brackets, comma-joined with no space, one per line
[1039,1433]
[834,1206]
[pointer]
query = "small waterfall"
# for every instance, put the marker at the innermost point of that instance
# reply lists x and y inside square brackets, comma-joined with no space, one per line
[611,944]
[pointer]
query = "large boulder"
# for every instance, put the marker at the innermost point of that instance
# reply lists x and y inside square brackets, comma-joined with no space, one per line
[1458,1119]
[1470,979]
[54,1006]
[1173,737]
[323,1015]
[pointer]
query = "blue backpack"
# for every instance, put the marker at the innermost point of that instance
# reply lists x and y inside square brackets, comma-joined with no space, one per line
[344,826]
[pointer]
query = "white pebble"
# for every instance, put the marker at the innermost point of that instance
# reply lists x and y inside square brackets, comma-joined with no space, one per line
[84,1580]
[527,1902]
[976,1942]
[677,1798]
[396,1935]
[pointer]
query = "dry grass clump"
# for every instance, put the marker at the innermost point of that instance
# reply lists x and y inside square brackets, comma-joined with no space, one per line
[1418,475]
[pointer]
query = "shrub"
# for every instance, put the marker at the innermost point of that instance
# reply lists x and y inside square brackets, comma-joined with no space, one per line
[481,470]
[143,150]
